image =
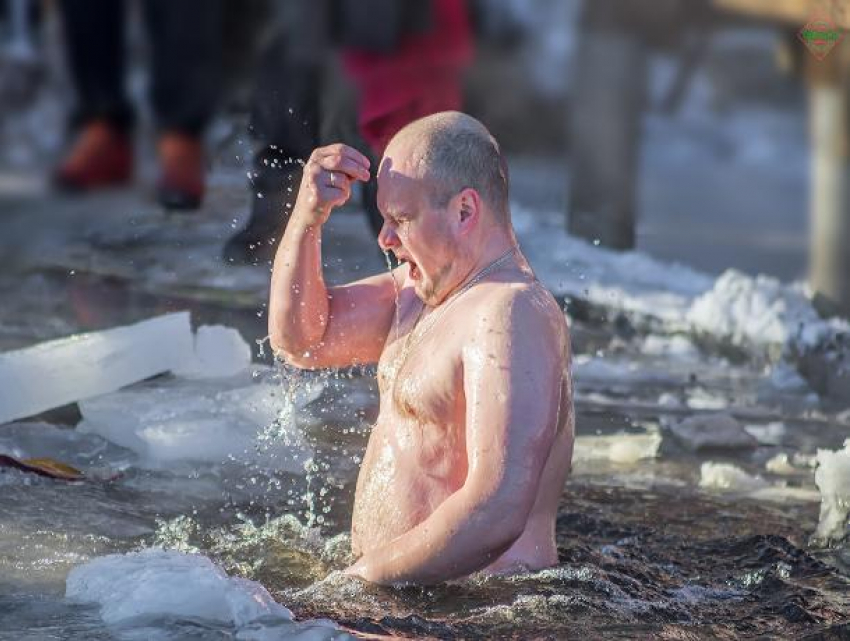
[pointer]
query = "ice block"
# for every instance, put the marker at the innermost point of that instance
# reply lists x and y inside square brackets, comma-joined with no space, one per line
[66,370]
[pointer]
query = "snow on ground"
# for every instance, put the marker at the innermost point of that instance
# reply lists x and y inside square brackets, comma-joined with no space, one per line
[750,312]
[760,311]
[629,281]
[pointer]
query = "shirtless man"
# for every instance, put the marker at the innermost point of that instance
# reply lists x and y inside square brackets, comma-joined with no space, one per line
[472,446]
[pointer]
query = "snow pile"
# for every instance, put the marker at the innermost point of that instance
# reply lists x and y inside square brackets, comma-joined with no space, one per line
[629,281]
[759,311]
[749,312]
[155,583]
[833,480]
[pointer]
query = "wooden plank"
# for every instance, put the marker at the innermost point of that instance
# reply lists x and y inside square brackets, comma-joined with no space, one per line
[796,12]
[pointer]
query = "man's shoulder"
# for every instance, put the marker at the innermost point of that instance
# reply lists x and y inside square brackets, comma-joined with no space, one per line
[517,305]
[523,296]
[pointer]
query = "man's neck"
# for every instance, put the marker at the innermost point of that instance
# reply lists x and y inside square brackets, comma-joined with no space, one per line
[493,249]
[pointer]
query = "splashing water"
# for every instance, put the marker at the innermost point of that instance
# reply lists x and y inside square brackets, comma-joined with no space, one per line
[261,342]
[395,285]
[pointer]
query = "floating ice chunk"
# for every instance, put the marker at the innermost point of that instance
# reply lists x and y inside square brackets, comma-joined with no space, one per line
[668,399]
[676,346]
[769,434]
[159,582]
[725,476]
[780,464]
[55,373]
[617,448]
[712,432]
[804,460]
[219,351]
[832,477]
[97,457]
[592,368]
[700,399]
[212,420]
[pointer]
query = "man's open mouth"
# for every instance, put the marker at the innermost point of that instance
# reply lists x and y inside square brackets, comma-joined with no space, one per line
[413,268]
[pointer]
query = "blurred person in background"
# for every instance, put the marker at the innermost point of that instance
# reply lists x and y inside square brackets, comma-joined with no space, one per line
[405,61]
[184,43]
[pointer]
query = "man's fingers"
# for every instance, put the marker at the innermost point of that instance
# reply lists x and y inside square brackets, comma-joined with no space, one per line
[343,158]
[338,179]
[344,150]
[337,195]
[344,165]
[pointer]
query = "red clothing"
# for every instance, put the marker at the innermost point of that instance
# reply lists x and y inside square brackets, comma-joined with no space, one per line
[423,76]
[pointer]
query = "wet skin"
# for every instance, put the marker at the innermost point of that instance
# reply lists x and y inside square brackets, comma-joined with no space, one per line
[467,460]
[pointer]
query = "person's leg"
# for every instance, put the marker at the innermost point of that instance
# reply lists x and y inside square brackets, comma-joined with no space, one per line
[285,125]
[94,41]
[186,40]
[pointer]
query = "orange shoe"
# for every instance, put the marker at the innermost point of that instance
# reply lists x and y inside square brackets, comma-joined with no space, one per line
[102,156]
[181,179]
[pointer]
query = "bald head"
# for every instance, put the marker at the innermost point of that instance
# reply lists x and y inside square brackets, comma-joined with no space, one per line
[453,151]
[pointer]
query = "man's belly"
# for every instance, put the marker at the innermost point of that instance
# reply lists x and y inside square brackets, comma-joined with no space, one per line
[405,476]
[400,484]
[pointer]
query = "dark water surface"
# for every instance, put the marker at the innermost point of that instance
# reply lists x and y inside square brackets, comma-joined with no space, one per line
[645,552]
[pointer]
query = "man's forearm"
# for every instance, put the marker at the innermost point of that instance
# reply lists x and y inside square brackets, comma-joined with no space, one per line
[298,300]
[454,541]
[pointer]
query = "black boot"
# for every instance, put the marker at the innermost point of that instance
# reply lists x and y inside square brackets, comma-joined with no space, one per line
[274,188]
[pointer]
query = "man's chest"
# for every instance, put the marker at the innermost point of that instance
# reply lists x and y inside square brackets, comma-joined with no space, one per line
[422,380]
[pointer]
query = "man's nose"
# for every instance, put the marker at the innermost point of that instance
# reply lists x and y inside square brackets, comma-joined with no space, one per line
[387,238]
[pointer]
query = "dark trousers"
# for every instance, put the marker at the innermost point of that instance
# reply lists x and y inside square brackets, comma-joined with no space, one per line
[185,44]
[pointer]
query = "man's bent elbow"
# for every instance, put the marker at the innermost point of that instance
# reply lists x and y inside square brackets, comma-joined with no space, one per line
[291,351]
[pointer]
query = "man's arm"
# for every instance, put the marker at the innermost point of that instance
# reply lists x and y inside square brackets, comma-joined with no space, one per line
[310,324]
[512,379]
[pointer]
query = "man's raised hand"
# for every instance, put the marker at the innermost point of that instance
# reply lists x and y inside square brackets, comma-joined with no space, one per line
[327,180]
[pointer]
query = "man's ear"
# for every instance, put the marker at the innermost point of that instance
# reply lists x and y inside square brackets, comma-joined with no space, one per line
[468,208]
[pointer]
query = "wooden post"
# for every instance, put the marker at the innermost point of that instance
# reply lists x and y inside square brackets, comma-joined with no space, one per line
[829,260]
[609,88]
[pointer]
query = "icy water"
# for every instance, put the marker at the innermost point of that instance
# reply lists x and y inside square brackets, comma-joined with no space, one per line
[256,472]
